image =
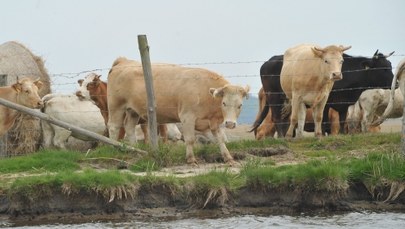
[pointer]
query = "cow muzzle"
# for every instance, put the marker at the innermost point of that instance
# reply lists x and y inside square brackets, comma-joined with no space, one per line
[230,124]
[79,95]
[336,76]
[39,105]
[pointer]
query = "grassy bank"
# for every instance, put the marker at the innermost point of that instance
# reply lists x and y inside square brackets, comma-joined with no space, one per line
[310,165]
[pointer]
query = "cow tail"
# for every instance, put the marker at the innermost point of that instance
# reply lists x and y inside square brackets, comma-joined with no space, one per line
[260,119]
[286,110]
[390,105]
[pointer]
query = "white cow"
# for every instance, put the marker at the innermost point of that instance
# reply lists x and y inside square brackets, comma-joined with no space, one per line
[70,109]
[372,104]
[400,76]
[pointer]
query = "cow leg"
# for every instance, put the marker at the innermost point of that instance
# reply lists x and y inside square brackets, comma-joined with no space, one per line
[281,124]
[266,129]
[162,128]
[302,112]
[188,122]
[342,120]
[61,137]
[318,116]
[334,121]
[145,131]
[131,120]
[220,135]
[48,134]
[294,117]
[365,120]
[116,122]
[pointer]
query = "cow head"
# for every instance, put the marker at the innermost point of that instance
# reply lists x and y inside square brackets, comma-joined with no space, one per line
[27,92]
[231,102]
[332,60]
[379,70]
[90,82]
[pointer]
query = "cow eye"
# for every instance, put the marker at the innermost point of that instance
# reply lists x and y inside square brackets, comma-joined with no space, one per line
[27,92]
[224,104]
[326,61]
[240,106]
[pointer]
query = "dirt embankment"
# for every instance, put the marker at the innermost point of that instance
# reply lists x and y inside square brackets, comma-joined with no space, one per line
[52,205]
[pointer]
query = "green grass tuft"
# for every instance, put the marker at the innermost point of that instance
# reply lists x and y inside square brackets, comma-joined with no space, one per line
[44,160]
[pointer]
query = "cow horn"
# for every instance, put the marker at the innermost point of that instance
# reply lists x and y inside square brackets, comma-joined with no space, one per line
[345,48]
[376,53]
[386,56]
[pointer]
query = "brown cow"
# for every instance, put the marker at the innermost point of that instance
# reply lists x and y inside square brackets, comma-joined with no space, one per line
[307,77]
[200,99]
[24,92]
[268,129]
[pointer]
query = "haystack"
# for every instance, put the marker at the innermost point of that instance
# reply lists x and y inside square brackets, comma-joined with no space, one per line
[16,60]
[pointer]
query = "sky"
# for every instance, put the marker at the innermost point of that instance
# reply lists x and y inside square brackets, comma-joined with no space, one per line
[231,37]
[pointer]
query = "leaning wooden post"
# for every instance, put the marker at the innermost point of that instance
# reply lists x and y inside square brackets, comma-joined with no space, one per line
[3,140]
[75,129]
[147,73]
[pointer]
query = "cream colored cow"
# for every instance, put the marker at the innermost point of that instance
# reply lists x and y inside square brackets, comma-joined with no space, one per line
[200,99]
[307,77]
[24,92]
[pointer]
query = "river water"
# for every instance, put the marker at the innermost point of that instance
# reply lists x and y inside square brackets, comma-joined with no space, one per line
[356,220]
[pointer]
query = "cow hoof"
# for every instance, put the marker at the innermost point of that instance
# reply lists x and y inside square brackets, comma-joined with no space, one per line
[192,162]
[318,136]
[232,163]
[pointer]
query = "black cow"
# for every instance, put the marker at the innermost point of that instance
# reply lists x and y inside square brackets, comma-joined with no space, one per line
[359,74]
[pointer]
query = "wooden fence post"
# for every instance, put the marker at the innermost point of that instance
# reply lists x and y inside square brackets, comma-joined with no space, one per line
[3,139]
[147,73]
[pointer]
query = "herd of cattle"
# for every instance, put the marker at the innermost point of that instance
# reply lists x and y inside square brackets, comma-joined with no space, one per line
[309,88]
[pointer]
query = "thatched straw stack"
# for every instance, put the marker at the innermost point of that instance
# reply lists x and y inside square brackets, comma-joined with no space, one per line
[18,61]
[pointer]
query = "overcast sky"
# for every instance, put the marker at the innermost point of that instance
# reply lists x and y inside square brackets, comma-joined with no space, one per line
[231,37]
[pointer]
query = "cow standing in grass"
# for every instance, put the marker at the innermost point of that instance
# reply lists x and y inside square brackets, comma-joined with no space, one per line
[307,77]
[200,99]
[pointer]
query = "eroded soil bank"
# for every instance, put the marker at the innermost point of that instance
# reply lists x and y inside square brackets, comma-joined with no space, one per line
[159,202]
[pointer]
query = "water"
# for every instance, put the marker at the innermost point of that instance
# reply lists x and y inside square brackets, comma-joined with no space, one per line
[356,220]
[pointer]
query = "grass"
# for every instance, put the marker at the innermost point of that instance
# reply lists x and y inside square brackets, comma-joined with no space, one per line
[332,163]
[44,160]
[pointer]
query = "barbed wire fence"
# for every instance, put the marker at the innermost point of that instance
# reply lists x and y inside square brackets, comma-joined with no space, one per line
[59,80]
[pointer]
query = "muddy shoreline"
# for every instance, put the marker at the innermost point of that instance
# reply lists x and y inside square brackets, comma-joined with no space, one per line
[160,204]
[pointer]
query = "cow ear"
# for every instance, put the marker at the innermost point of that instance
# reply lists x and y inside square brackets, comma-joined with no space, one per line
[17,87]
[38,83]
[80,82]
[96,80]
[344,48]
[217,92]
[245,92]
[317,51]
